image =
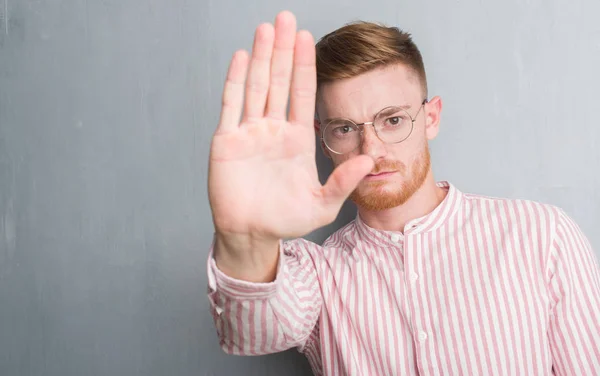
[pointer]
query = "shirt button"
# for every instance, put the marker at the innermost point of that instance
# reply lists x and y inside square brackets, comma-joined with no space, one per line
[414,276]
[395,238]
[413,226]
[422,336]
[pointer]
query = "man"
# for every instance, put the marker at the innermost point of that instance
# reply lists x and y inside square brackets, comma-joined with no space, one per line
[426,280]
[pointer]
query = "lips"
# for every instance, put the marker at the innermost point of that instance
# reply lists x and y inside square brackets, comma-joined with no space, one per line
[384,175]
[381,173]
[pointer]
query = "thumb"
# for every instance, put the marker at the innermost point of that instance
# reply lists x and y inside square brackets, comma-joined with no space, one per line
[343,180]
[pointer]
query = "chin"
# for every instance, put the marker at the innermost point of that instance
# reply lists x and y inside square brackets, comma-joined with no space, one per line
[379,198]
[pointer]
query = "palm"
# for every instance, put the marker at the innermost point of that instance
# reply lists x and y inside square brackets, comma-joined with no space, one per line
[265,177]
[262,172]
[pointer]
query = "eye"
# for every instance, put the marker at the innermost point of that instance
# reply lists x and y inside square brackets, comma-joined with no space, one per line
[344,129]
[395,120]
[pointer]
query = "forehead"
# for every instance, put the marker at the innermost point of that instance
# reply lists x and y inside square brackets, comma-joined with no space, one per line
[362,96]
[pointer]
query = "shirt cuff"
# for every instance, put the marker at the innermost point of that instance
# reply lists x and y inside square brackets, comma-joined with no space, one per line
[219,282]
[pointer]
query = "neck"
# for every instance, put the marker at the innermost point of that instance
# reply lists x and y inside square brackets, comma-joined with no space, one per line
[421,203]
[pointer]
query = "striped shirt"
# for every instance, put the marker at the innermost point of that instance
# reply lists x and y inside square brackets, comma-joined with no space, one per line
[480,286]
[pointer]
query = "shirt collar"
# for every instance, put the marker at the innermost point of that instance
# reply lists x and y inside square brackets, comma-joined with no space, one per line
[426,223]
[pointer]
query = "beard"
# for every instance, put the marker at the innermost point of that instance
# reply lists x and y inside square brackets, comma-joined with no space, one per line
[374,195]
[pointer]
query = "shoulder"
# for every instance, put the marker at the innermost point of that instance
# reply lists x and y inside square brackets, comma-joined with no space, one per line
[530,220]
[511,209]
[304,251]
[342,238]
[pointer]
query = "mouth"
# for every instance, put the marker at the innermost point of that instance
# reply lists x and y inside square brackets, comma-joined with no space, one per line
[380,175]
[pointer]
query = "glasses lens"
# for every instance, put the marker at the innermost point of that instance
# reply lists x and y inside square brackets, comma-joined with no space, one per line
[341,136]
[393,125]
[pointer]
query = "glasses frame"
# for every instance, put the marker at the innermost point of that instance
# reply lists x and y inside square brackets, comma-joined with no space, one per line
[361,127]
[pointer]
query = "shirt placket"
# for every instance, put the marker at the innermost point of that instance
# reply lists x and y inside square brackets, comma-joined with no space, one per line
[412,274]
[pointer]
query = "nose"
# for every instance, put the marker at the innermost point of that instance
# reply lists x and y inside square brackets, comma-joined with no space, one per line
[371,145]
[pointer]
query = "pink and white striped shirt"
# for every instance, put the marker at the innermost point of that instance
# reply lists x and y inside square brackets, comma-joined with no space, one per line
[480,286]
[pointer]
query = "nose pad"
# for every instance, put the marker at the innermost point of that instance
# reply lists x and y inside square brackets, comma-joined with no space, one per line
[363,133]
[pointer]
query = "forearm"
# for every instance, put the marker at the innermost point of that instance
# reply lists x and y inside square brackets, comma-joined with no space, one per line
[262,318]
[246,257]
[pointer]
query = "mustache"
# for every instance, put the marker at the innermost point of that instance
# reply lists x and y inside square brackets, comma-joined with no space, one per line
[387,165]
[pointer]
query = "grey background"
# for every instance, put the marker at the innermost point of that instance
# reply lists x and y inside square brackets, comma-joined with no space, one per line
[107,108]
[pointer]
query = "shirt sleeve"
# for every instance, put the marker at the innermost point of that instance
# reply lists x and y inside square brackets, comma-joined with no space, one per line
[264,318]
[574,283]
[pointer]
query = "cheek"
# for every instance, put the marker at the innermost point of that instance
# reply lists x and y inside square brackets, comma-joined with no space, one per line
[402,152]
[415,144]
[408,151]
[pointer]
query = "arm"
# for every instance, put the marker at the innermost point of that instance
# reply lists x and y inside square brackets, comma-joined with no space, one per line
[574,282]
[261,318]
[263,186]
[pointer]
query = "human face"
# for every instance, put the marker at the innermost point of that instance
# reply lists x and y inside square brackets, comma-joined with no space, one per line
[402,168]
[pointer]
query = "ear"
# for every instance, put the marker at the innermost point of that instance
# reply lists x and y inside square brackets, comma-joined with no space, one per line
[433,110]
[318,133]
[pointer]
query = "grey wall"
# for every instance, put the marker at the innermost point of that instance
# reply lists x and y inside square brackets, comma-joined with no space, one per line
[106,113]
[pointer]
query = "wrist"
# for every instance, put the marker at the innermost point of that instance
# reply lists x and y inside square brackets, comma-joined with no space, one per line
[247,257]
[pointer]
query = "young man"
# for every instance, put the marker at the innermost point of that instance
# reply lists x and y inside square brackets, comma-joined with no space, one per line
[426,280]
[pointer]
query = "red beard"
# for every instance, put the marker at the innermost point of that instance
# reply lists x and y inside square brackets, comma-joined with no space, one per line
[374,196]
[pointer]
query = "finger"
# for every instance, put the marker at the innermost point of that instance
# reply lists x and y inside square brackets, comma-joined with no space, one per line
[342,181]
[304,81]
[233,92]
[281,65]
[257,84]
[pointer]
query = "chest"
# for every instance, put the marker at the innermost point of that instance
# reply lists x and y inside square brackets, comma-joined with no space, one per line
[430,299]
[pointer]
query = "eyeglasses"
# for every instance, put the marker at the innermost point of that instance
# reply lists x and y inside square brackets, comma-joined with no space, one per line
[392,126]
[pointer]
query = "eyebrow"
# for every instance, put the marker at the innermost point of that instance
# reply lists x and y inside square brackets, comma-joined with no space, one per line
[403,107]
